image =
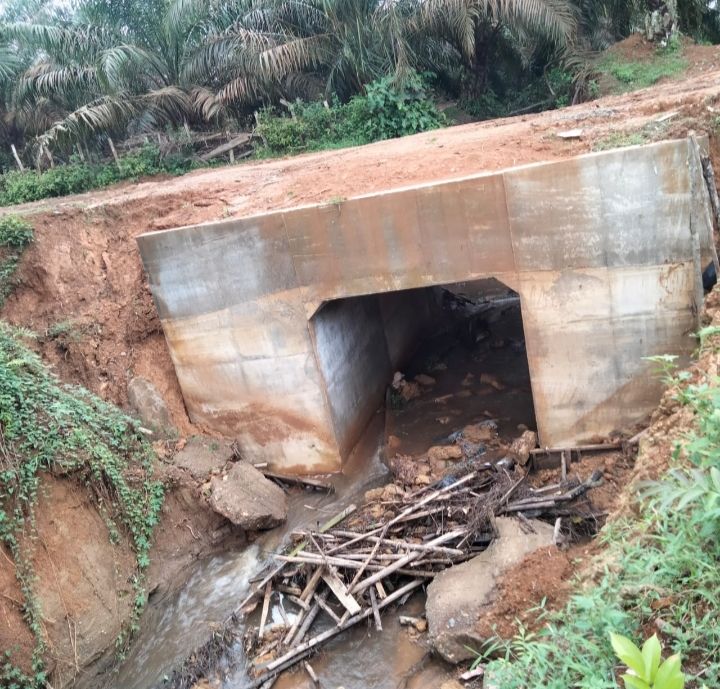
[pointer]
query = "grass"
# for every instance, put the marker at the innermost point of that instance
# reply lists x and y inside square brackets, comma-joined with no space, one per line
[77,177]
[632,75]
[621,140]
[658,573]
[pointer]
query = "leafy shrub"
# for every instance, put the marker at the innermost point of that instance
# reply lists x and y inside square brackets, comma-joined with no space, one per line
[394,111]
[77,177]
[386,111]
[47,426]
[668,552]
[15,235]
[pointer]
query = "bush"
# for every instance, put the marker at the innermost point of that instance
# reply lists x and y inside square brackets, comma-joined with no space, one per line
[77,177]
[394,111]
[386,111]
[659,569]
[15,235]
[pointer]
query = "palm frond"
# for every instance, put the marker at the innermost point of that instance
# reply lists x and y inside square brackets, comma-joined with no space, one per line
[47,80]
[556,19]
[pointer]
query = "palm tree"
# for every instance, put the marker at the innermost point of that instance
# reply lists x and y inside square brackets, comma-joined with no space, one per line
[109,67]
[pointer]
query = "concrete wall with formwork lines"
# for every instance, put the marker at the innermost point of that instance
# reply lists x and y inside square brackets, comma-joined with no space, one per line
[604,249]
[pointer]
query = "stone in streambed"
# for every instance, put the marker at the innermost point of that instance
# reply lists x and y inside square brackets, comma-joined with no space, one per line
[248,499]
[460,595]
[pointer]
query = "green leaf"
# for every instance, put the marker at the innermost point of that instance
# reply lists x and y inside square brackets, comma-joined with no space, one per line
[633,682]
[651,655]
[628,653]
[669,675]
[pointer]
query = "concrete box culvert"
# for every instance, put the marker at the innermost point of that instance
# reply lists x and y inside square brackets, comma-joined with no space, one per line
[605,251]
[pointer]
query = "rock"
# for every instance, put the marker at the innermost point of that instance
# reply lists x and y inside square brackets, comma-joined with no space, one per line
[424,379]
[408,391]
[393,442]
[480,432]
[150,408]
[490,379]
[444,452]
[520,448]
[202,455]
[460,595]
[248,499]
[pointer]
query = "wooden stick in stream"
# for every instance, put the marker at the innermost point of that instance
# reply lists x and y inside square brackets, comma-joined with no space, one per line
[407,511]
[306,595]
[378,576]
[299,652]
[342,593]
[300,481]
[309,619]
[376,611]
[329,524]
[265,608]
[399,543]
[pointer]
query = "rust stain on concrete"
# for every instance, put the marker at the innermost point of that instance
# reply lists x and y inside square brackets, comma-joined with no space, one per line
[599,248]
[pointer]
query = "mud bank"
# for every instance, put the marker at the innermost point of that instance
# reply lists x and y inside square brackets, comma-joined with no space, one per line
[84,574]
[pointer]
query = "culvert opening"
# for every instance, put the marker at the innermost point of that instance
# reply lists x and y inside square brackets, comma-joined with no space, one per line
[442,361]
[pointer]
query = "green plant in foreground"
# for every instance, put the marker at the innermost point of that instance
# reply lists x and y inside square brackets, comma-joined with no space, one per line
[666,552]
[646,669]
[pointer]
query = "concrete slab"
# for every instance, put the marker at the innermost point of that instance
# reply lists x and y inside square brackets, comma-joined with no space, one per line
[604,250]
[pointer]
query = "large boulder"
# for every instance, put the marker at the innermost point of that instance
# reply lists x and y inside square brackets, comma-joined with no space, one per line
[248,499]
[202,455]
[150,408]
[460,595]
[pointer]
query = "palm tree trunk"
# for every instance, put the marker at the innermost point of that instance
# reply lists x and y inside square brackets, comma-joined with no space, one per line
[480,63]
[661,19]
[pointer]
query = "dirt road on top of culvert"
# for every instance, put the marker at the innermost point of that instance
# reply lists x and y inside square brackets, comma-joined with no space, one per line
[254,187]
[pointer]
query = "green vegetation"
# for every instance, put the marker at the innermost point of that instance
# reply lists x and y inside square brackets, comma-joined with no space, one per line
[76,177]
[387,111]
[15,235]
[659,570]
[621,140]
[666,62]
[645,666]
[73,74]
[51,427]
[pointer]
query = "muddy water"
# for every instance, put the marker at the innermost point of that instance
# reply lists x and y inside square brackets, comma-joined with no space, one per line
[362,657]
[173,626]
[461,394]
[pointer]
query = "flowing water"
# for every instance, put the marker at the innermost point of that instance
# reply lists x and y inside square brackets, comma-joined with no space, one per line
[174,625]
[362,657]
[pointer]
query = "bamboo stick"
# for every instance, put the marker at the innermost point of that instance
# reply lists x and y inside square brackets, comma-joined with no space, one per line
[412,508]
[298,653]
[265,608]
[324,606]
[375,609]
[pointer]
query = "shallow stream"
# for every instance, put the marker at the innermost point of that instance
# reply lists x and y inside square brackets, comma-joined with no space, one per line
[395,658]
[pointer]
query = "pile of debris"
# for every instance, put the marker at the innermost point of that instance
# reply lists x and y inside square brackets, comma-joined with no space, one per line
[362,561]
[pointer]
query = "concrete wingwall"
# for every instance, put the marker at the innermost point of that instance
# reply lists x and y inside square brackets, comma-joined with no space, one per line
[604,249]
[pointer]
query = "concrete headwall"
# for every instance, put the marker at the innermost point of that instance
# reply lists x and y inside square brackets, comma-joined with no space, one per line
[604,250]
[360,342]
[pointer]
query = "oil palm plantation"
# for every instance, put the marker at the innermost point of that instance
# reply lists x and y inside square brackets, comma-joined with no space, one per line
[145,63]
